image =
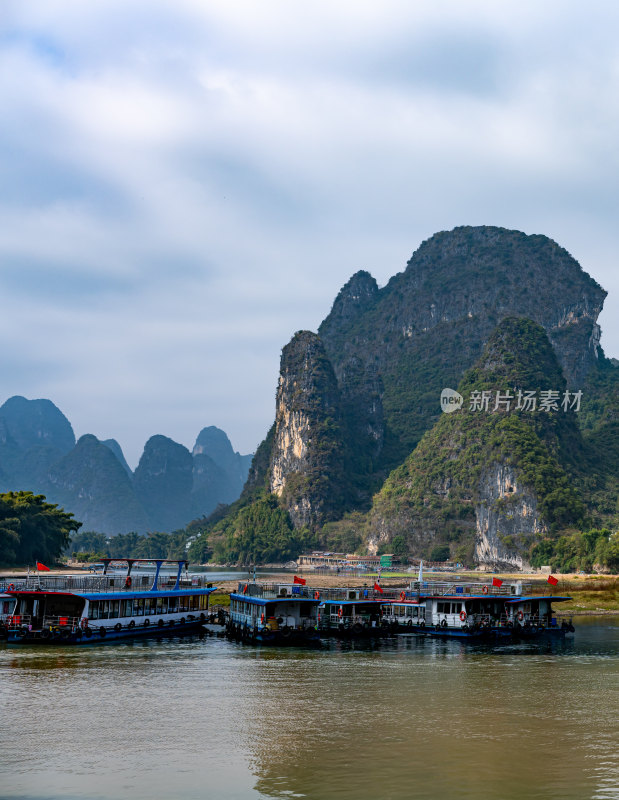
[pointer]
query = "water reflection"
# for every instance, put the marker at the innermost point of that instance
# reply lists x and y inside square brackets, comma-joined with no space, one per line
[403,718]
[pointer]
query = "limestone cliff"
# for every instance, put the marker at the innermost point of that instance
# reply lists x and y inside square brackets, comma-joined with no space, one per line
[306,459]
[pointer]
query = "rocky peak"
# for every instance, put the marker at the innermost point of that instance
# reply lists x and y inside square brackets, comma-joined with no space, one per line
[35,422]
[163,482]
[307,446]
[354,297]
[93,484]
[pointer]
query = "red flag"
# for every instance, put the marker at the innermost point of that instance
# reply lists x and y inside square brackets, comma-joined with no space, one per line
[301,581]
[497,582]
[377,588]
[245,588]
[42,567]
[552,580]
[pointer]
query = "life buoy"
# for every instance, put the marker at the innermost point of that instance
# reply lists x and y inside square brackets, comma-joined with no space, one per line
[316,595]
[520,615]
[340,612]
[485,590]
[10,587]
[402,595]
[262,618]
[128,582]
[462,615]
[84,623]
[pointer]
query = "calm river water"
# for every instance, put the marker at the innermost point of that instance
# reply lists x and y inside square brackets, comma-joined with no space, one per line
[412,718]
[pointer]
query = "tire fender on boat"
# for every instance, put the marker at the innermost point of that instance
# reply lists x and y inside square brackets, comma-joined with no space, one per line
[102,632]
[118,627]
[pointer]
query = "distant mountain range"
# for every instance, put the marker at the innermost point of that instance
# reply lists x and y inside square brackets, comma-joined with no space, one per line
[90,478]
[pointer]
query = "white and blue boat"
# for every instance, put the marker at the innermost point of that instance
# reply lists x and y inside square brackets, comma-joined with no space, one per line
[480,611]
[124,601]
[273,613]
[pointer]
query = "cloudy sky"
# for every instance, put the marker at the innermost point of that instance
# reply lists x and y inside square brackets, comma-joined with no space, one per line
[186,183]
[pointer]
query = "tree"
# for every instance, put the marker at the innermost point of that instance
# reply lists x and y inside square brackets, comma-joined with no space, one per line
[32,529]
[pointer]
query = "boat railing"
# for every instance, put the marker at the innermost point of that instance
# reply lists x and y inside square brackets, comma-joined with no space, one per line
[104,583]
[61,622]
[450,588]
[18,620]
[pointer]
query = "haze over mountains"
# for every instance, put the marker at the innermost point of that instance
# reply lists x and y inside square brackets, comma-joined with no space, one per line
[170,487]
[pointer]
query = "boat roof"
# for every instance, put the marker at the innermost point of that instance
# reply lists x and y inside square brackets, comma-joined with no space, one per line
[359,602]
[120,595]
[262,601]
[554,598]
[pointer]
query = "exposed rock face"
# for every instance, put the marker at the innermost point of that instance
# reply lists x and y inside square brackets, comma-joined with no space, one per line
[163,482]
[507,518]
[488,482]
[307,454]
[92,483]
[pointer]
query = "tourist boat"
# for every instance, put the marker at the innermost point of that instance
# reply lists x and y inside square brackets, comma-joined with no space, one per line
[116,604]
[492,611]
[273,613]
[352,613]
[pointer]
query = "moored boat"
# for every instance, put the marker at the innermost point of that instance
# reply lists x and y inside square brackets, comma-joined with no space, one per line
[109,606]
[490,611]
[273,613]
[352,613]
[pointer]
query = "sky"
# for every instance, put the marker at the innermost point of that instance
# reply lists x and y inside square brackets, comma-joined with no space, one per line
[185,184]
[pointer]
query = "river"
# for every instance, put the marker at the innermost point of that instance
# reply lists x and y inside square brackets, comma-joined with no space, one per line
[201,717]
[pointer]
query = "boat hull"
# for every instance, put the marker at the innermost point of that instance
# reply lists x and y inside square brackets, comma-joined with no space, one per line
[91,636]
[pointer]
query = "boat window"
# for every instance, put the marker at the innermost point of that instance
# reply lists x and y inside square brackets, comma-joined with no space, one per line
[195,602]
[149,605]
[203,601]
[415,611]
[114,609]
[172,604]
[126,607]
[93,609]
[138,607]
[183,604]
